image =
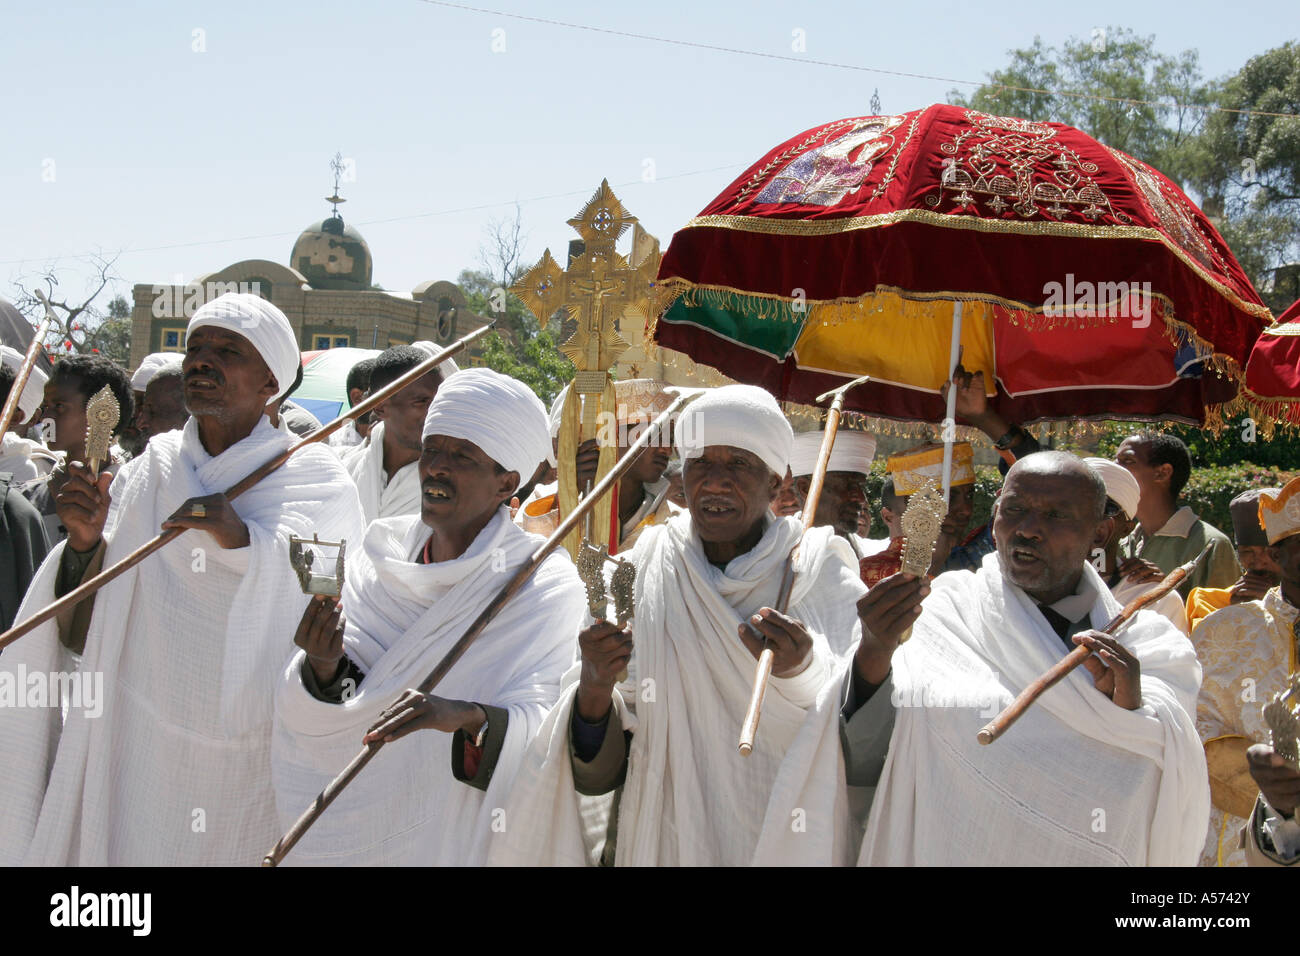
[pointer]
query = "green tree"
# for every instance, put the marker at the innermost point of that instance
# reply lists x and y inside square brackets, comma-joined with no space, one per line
[1240,442]
[1115,86]
[1248,167]
[111,335]
[487,295]
[538,364]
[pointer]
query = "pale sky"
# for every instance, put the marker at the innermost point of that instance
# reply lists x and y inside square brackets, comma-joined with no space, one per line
[190,134]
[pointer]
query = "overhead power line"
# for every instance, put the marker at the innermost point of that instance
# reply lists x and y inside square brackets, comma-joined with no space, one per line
[809,61]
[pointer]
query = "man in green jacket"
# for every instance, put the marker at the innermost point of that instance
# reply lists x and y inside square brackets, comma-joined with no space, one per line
[1168,535]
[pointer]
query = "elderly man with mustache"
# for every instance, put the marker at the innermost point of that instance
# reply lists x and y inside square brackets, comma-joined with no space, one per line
[413,588]
[172,766]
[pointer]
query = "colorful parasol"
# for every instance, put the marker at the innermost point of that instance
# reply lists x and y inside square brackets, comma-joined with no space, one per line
[1090,286]
[324,390]
[1272,392]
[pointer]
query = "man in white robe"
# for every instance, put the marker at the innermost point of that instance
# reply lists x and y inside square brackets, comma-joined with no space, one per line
[159,398]
[385,466]
[844,490]
[1104,769]
[706,583]
[169,764]
[1132,578]
[416,586]
[355,431]
[132,438]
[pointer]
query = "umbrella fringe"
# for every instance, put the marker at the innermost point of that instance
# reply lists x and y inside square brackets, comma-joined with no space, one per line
[1269,413]
[1076,431]
[936,306]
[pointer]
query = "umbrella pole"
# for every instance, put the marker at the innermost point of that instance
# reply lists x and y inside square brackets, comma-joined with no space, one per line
[950,418]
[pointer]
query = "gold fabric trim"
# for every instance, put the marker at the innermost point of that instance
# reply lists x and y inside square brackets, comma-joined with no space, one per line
[830,227]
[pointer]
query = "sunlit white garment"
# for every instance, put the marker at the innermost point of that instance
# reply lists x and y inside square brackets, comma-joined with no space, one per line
[1075,781]
[689,797]
[402,618]
[25,459]
[382,495]
[176,770]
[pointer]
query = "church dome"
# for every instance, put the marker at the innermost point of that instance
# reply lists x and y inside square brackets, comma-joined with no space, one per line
[333,256]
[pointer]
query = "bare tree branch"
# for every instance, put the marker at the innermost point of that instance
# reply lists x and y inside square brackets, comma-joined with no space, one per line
[503,249]
[74,319]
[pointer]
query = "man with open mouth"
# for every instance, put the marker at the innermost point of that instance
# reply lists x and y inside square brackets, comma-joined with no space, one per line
[385,466]
[413,588]
[1105,769]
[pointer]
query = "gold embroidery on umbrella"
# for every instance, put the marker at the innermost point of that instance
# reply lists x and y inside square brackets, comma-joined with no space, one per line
[1007,159]
[1173,215]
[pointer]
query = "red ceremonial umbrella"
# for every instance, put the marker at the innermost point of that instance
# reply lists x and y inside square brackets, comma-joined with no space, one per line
[1272,391]
[1089,285]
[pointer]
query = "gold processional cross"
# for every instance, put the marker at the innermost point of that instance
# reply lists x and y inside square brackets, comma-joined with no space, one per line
[598,289]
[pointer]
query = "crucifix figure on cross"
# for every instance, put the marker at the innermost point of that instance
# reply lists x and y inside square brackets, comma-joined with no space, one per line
[598,289]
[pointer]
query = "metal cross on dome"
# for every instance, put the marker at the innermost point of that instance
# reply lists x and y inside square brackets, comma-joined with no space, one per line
[339,168]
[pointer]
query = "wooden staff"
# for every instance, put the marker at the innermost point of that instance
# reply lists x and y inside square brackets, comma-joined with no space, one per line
[996,727]
[763,672]
[25,370]
[90,586]
[511,587]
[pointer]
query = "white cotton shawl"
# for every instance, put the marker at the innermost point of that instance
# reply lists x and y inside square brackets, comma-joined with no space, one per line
[399,495]
[176,770]
[25,459]
[690,798]
[1076,781]
[406,808]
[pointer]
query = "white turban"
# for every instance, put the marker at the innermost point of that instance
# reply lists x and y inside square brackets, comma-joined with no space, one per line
[151,365]
[853,451]
[742,416]
[34,391]
[447,366]
[496,412]
[1121,486]
[265,326]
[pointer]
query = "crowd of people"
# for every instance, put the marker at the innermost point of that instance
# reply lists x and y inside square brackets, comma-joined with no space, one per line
[191,709]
